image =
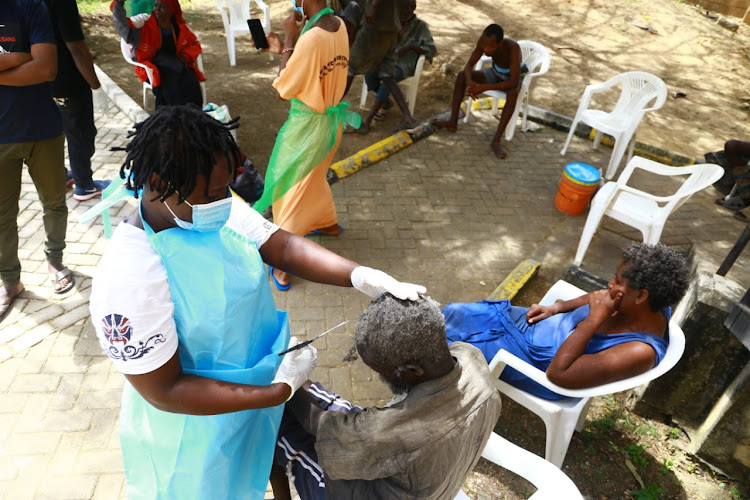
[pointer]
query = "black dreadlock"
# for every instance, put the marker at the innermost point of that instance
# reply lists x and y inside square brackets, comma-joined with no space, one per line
[177,143]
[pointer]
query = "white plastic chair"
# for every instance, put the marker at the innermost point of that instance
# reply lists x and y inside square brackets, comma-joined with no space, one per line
[641,210]
[563,416]
[113,193]
[234,15]
[551,482]
[638,90]
[411,85]
[127,53]
[537,60]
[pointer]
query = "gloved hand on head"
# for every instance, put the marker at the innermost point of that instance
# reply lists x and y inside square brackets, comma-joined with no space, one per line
[375,283]
[139,20]
[296,366]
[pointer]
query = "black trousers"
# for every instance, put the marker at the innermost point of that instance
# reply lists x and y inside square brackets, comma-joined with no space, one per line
[80,132]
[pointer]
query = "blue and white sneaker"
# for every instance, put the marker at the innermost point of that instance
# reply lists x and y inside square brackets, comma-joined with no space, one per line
[81,194]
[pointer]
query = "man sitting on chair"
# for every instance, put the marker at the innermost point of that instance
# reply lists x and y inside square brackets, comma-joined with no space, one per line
[422,444]
[597,338]
[506,74]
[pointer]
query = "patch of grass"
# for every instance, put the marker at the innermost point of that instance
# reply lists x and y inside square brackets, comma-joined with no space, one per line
[735,492]
[674,433]
[652,492]
[92,7]
[667,463]
[635,451]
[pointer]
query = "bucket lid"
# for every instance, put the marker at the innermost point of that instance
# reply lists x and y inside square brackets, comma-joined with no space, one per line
[580,173]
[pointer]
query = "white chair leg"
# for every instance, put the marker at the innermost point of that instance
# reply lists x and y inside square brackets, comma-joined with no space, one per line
[363,98]
[597,139]
[511,127]
[469,102]
[230,49]
[145,90]
[589,229]
[570,136]
[559,432]
[631,149]
[582,416]
[614,161]
[411,97]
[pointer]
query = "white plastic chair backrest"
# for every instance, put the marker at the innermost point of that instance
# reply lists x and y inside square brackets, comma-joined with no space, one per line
[638,90]
[239,10]
[700,176]
[534,55]
[562,290]
[127,53]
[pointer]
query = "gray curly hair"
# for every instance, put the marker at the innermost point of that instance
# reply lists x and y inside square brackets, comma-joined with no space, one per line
[393,332]
[659,269]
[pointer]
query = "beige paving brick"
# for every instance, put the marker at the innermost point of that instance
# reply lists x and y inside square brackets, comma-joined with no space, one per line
[12,403]
[30,473]
[68,421]
[10,332]
[66,341]
[99,462]
[74,364]
[8,468]
[65,457]
[31,337]
[109,486]
[32,443]
[90,400]
[71,317]
[102,427]
[70,488]
[35,383]
[30,419]
[67,392]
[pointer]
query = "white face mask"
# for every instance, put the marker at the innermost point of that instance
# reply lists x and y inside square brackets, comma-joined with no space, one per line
[207,217]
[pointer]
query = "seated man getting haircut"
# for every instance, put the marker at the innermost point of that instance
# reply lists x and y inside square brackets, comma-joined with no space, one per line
[423,443]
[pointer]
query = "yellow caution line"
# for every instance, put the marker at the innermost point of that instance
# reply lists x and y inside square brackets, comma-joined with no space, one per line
[515,280]
[647,151]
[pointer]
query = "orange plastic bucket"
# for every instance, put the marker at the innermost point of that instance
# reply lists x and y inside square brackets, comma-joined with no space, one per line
[578,184]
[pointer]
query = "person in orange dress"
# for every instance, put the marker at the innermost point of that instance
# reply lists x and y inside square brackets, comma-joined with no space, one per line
[314,64]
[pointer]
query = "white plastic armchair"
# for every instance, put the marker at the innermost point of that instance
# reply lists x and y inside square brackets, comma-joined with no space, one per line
[537,59]
[551,483]
[562,417]
[234,15]
[411,85]
[646,212]
[638,90]
[127,53]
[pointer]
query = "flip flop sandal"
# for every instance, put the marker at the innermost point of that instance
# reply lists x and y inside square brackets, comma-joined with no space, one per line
[57,277]
[279,286]
[317,232]
[379,116]
[737,215]
[4,308]
[734,203]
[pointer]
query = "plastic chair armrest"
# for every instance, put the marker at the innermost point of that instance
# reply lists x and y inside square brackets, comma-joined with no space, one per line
[648,196]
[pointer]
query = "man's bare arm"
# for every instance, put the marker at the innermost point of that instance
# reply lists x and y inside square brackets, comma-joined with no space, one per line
[9,60]
[84,62]
[41,68]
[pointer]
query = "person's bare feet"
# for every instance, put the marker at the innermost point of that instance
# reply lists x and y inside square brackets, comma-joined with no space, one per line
[281,277]
[363,128]
[65,281]
[499,151]
[446,124]
[7,294]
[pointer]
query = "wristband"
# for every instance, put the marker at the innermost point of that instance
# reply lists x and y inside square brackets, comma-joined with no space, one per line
[287,49]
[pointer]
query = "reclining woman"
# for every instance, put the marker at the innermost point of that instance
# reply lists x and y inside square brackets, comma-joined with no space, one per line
[597,338]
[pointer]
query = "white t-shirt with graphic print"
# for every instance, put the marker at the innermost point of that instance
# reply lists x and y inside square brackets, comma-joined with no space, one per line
[130,303]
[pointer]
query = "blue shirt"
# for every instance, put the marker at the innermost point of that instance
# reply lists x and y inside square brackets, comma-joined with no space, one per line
[27,114]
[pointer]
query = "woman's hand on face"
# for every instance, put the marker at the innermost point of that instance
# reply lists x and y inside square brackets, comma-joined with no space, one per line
[537,313]
[274,44]
[292,28]
[602,305]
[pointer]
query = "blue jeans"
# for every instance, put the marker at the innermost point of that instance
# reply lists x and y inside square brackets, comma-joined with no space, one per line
[374,84]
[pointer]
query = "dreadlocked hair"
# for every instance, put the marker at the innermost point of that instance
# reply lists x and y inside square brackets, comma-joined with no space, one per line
[177,143]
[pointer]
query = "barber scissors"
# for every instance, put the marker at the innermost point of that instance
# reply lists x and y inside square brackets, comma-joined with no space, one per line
[306,342]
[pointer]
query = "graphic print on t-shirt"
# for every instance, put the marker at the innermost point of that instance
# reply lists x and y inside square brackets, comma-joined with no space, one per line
[10,38]
[118,330]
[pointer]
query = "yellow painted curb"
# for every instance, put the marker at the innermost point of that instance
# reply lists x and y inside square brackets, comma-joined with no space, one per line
[482,103]
[645,151]
[372,154]
[515,280]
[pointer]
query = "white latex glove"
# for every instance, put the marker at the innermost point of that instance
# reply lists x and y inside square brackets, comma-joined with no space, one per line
[139,20]
[296,366]
[99,98]
[375,283]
